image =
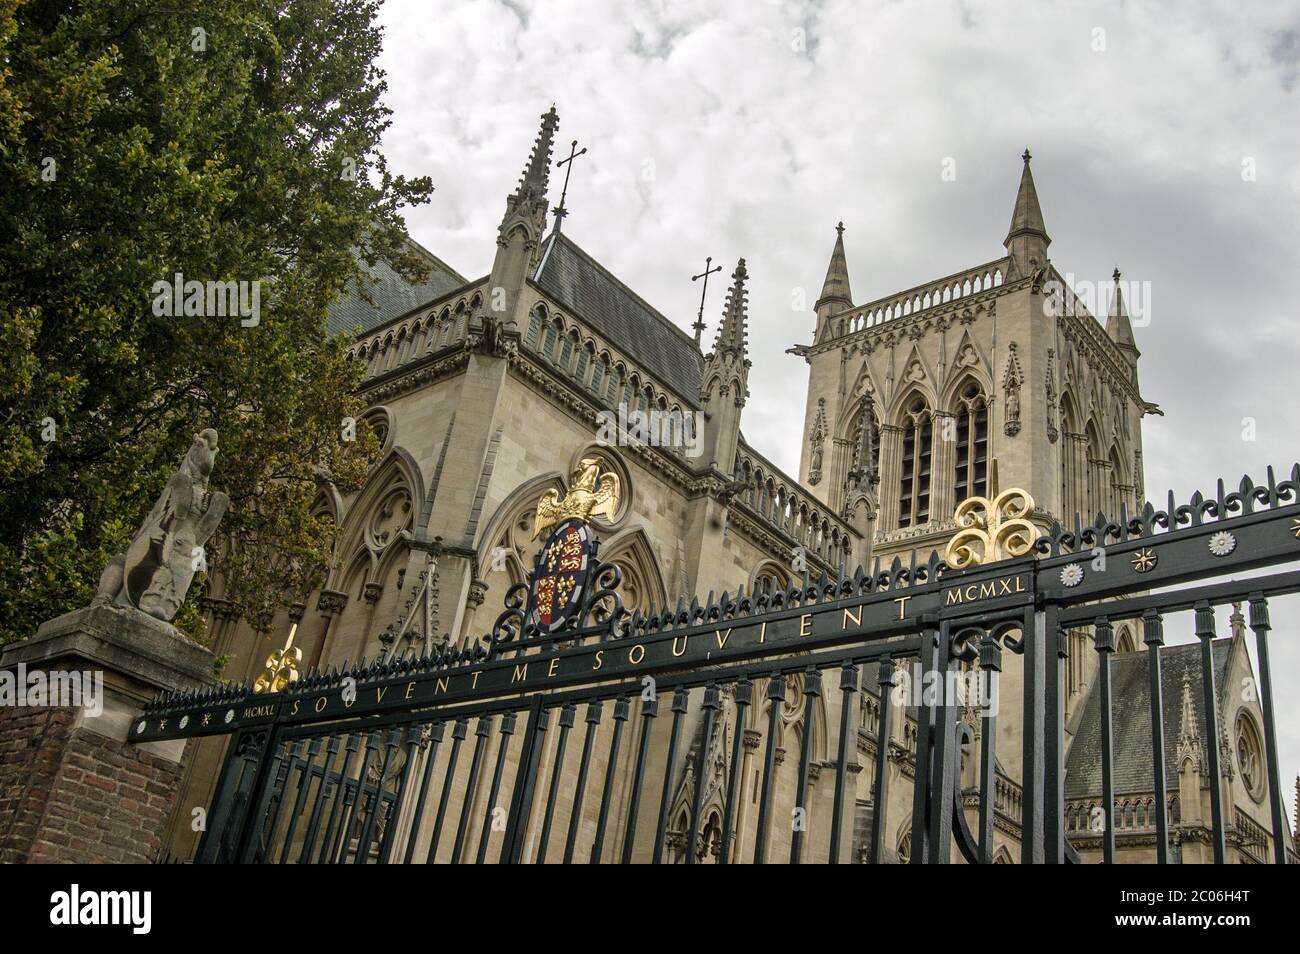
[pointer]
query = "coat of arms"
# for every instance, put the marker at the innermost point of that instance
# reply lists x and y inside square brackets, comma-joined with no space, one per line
[560,575]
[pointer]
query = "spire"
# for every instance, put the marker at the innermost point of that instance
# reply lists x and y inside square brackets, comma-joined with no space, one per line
[1027,239]
[731,338]
[1118,326]
[527,205]
[1189,731]
[1296,827]
[835,290]
[725,382]
[537,174]
[1189,728]
[1237,621]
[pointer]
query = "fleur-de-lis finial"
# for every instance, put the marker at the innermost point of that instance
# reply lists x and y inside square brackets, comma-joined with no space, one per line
[992,529]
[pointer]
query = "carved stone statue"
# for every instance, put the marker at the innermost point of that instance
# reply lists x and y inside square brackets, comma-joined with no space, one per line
[816,439]
[1011,383]
[155,571]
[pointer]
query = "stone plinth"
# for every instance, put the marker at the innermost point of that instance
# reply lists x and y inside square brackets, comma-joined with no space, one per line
[72,789]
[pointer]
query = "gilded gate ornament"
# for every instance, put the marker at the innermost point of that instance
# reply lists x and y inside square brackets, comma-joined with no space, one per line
[992,530]
[281,667]
[587,497]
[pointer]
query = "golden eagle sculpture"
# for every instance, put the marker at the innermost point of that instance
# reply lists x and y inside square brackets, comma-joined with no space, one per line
[587,497]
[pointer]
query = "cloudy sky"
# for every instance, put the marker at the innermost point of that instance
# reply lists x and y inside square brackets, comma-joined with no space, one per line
[1165,141]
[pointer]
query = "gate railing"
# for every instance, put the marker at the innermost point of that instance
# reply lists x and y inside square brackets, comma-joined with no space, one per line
[661,736]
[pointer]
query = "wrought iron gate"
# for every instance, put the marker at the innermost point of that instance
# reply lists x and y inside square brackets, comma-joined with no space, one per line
[469,755]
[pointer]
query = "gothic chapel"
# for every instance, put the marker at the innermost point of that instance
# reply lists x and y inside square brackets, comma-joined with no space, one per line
[485,393]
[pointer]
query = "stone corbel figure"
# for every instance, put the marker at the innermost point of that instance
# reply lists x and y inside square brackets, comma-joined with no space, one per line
[155,571]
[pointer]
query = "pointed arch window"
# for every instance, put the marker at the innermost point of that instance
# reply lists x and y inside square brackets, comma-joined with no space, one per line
[615,385]
[971,458]
[548,342]
[534,330]
[566,353]
[914,471]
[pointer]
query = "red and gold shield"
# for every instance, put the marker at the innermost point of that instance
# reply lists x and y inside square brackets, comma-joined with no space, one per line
[560,576]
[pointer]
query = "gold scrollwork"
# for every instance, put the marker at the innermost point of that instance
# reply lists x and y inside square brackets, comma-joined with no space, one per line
[992,530]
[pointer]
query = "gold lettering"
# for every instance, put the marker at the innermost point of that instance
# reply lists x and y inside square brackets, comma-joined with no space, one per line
[600,659]
[676,651]
[848,615]
[555,664]
[804,622]
[442,684]
[320,703]
[521,672]
[954,596]
[410,688]
[987,590]
[762,632]
[1005,584]
[296,703]
[1020,585]
[970,592]
[722,637]
[902,605]
[380,692]
[474,678]
[636,654]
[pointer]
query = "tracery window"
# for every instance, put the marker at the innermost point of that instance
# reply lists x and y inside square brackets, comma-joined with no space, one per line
[914,479]
[1250,759]
[972,451]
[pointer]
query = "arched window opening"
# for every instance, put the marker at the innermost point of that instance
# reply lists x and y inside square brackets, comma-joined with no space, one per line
[914,481]
[534,330]
[972,454]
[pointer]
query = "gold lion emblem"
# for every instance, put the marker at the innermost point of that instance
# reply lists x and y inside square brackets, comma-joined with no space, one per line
[587,497]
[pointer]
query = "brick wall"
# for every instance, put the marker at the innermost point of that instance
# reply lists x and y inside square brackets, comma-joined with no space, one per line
[68,794]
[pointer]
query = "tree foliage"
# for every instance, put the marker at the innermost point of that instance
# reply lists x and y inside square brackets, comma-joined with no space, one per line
[225,140]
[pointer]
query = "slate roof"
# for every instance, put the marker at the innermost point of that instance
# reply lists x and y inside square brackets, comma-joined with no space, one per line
[1131,718]
[611,309]
[393,296]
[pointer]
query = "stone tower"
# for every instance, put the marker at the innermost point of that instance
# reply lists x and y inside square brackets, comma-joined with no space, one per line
[913,395]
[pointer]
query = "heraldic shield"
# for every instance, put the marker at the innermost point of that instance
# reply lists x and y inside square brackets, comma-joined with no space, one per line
[560,576]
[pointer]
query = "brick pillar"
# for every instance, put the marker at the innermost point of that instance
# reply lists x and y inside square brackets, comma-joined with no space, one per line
[72,789]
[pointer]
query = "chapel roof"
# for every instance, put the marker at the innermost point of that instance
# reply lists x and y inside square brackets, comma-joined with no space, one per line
[1131,718]
[391,294]
[584,286]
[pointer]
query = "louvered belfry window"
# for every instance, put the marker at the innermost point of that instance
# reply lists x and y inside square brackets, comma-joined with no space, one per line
[971,457]
[914,472]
